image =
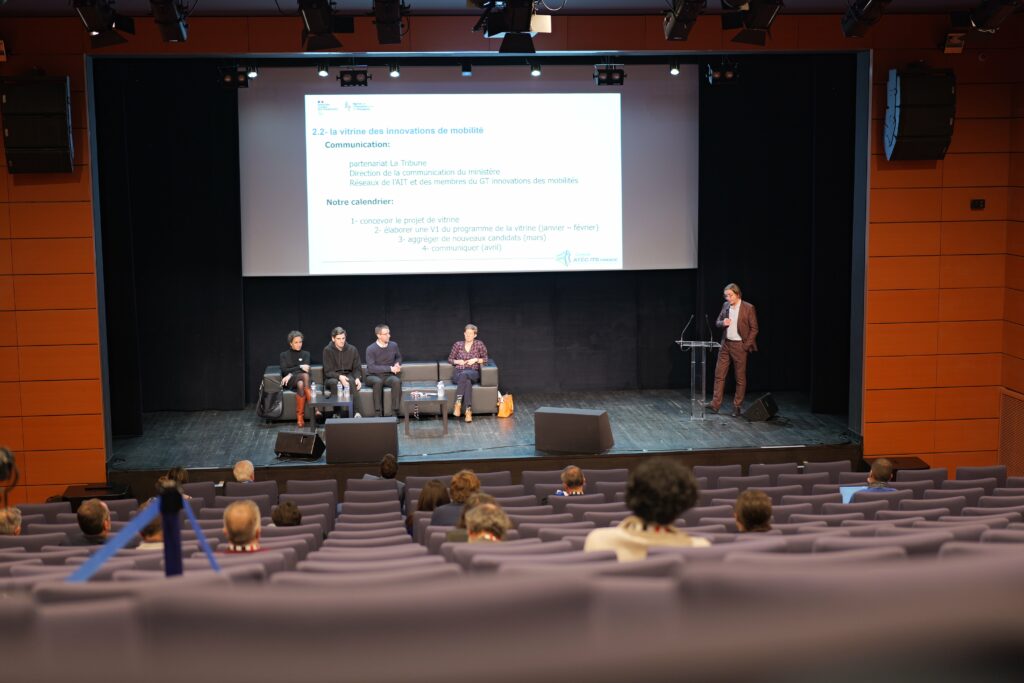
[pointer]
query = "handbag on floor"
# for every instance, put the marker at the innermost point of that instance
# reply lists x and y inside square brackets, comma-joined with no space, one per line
[506,405]
[270,405]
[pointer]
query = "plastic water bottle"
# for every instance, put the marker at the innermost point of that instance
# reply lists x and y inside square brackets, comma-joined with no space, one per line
[440,389]
[344,393]
[312,388]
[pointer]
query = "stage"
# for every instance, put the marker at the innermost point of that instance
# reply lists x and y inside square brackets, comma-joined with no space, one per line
[643,422]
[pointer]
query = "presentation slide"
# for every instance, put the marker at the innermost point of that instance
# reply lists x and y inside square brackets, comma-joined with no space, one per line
[442,183]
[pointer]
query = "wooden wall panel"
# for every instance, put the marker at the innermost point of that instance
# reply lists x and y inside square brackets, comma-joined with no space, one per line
[976,170]
[904,239]
[58,362]
[11,433]
[968,369]
[63,397]
[905,339]
[961,459]
[906,174]
[975,136]
[54,291]
[63,432]
[900,372]
[1013,373]
[899,405]
[1014,306]
[6,260]
[49,328]
[5,218]
[54,187]
[912,305]
[61,467]
[973,237]
[984,101]
[956,203]
[1015,272]
[9,371]
[68,255]
[10,399]
[956,403]
[970,337]
[6,293]
[967,435]
[51,219]
[899,438]
[975,270]
[905,206]
[981,303]
[903,272]
[1013,339]
[8,328]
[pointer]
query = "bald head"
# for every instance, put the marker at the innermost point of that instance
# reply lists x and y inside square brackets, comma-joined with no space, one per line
[242,523]
[94,517]
[244,471]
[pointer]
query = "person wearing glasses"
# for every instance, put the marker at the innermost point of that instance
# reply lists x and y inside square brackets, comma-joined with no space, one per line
[467,358]
[383,367]
[738,321]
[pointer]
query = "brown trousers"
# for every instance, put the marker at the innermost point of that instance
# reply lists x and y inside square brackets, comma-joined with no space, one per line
[732,352]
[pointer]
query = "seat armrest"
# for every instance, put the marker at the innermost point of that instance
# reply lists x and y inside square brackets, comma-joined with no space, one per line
[489,374]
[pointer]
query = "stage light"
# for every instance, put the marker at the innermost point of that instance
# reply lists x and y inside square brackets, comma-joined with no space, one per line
[388,19]
[394,71]
[681,18]
[320,23]
[467,70]
[233,77]
[353,77]
[252,72]
[514,21]
[609,74]
[862,15]
[990,14]
[535,70]
[102,23]
[753,17]
[170,17]
[725,71]
[321,71]
[673,68]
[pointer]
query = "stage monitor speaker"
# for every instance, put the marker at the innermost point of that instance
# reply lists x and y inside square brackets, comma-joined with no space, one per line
[299,445]
[764,408]
[920,108]
[570,430]
[363,439]
[37,124]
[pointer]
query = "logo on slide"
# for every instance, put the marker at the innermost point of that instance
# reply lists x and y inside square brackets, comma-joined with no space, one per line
[322,106]
[565,258]
[358,106]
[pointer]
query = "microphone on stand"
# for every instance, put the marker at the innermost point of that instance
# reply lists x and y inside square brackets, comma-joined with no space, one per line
[683,333]
[711,333]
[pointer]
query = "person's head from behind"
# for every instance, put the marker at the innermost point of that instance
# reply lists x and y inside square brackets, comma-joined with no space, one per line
[10,522]
[573,480]
[178,475]
[242,523]
[659,490]
[154,531]
[474,500]
[94,517]
[388,466]
[487,522]
[753,511]
[464,484]
[244,471]
[432,496]
[287,514]
[881,471]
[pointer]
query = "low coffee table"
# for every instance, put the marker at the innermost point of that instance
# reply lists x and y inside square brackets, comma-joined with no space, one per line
[333,401]
[425,398]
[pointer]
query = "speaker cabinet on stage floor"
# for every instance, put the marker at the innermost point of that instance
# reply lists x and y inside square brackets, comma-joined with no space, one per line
[37,124]
[364,439]
[569,430]
[764,408]
[299,445]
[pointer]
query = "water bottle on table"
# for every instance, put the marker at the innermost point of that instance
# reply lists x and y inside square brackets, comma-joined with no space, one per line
[440,389]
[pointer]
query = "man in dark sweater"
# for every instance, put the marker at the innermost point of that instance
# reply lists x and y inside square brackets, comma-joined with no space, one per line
[383,364]
[342,365]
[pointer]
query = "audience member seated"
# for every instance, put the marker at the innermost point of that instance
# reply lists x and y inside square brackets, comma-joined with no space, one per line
[10,522]
[153,533]
[178,475]
[389,470]
[880,474]
[487,523]
[432,496]
[286,514]
[464,484]
[244,471]
[573,482]
[242,527]
[753,511]
[459,533]
[94,521]
[658,491]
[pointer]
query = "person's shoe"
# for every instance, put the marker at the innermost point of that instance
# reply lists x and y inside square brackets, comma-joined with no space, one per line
[469,414]
[736,411]
[357,415]
[300,410]
[711,408]
[457,411]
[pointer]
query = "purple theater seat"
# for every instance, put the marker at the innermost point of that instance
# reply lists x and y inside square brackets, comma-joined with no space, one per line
[892,498]
[954,504]
[262,502]
[448,549]
[997,472]
[531,478]
[853,479]
[806,481]
[314,531]
[816,559]
[961,532]
[354,533]
[831,520]
[932,514]
[980,552]
[786,528]
[48,510]
[803,542]
[532,529]
[518,519]
[869,509]
[557,533]
[916,487]
[989,484]
[402,539]
[490,563]
[559,503]
[33,542]
[369,567]
[773,470]
[514,502]
[822,489]
[695,514]
[1001,501]
[380,496]
[781,513]
[1014,514]
[619,475]
[816,501]
[317,498]
[238,489]
[925,543]
[391,552]
[715,553]
[970,496]
[577,510]
[776,493]
[602,519]
[417,482]
[385,576]
[991,521]
[464,553]
[346,518]
[744,483]
[1002,536]
[351,485]
[502,478]
[935,475]
[505,490]
[713,472]
[609,488]
[705,496]
[832,468]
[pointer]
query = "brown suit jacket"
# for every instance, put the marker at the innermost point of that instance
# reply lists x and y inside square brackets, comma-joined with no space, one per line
[746,325]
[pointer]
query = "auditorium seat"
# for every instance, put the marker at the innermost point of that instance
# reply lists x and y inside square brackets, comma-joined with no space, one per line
[1000,501]
[262,502]
[1003,536]
[448,549]
[728,522]
[504,490]
[596,476]
[705,496]
[319,566]
[350,485]
[773,470]
[853,479]
[653,567]
[815,501]
[577,510]
[1014,514]
[382,496]
[988,485]
[490,563]
[971,496]
[713,472]
[609,488]
[317,498]
[884,553]
[932,514]
[559,503]
[124,508]
[832,468]
[744,483]
[313,530]
[532,529]
[417,482]
[715,552]
[202,490]
[560,533]
[781,513]
[369,509]
[957,550]
[502,478]
[918,487]
[367,542]
[776,493]
[998,472]
[6,565]
[787,528]
[694,514]
[1001,521]
[543,491]
[1008,491]
[603,519]
[806,480]
[463,553]
[388,575]
[71,530]
[513,502]
[926,543]
[49,510]
[552,518]
[238,489]
[367,533]
[954,504]
[831,520]
[890,498]
[530,478]
[961,532]
[822,489]
[804,542]
[936,475]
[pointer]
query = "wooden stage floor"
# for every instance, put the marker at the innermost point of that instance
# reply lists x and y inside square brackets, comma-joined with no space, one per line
[642,422]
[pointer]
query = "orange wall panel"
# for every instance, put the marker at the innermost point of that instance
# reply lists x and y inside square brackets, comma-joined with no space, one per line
[55,291]
[10,399]
[58,467]
[908,339]
[596,33]
[68,255]
[961,459]
[956,203]
[39,494]
[904,174]
[6,293]
[974,136]
[5,219]
[903,306]
[903,272]
[51,219]
[904,239]
[888,438]
[979,303]
[64,397]
[1014,306]
[47,328]
[206,35]
[51,187]
[973,237]
[976,170]
[958,403]
[984,101]
[63,34]
[909,31]
[9,364]
[1013,373]
[8,328]
[967,435]
[1013,339]
[821,32]
[899,405]
[705,35]
[280,34]
[63,432]
[59,362]
[970,337]
[11,433]
[900,372]
[1015,272]
[905,206]
[967,369]
[975,270]
[6,260]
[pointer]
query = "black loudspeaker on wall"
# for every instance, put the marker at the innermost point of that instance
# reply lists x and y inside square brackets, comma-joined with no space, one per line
[764,408]
[919,113]
[299,445]
[37,124]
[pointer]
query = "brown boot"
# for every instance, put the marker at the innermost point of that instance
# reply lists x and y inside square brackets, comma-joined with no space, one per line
[300,409]
[469,414]
[457,411]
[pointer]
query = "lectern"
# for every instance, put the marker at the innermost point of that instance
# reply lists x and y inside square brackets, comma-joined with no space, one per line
[698,375]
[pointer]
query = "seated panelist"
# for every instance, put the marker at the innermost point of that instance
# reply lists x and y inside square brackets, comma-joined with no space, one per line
[466,356]
[383,366]
[295,374]
[343,368]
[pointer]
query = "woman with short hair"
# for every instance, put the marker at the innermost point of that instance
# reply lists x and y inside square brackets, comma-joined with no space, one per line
[467,357]
[295,374]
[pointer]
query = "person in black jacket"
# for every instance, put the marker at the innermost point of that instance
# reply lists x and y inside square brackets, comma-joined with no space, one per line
[343,368]
[295,374]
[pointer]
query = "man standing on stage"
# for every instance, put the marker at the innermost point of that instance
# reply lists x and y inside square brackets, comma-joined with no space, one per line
[383,365]
[738,321]
[342,366]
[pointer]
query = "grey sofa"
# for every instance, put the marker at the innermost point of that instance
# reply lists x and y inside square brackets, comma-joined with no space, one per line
[423,376]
